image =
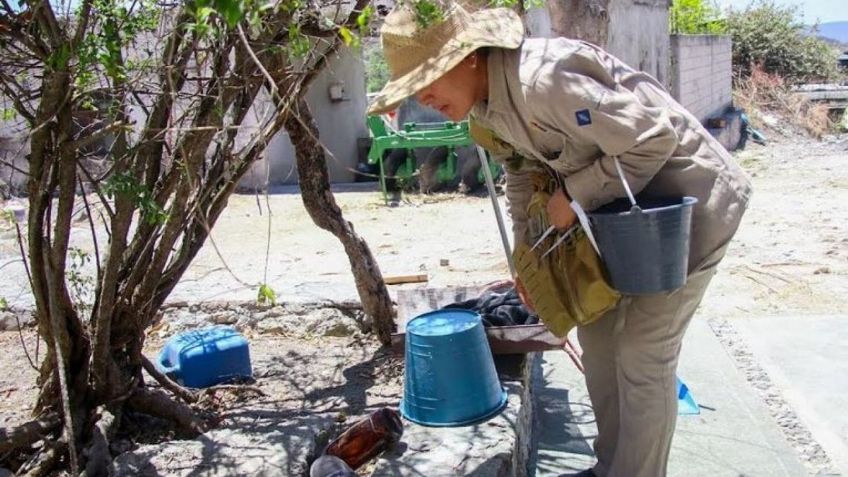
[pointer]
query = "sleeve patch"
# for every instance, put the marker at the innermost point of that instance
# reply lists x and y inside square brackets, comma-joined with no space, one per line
[583,117]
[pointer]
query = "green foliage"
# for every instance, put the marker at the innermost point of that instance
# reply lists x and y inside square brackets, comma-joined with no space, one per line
[9,114]
[376,69]
[4,304]
[58,60]
[81,284]
[299,44]
[266,295]
[427,12]
[126,185]
[103,47]
[695,17]
[8,217]
[774,37]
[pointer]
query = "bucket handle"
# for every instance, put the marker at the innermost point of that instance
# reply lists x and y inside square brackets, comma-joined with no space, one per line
[584,218]
[624,182]
[166,368]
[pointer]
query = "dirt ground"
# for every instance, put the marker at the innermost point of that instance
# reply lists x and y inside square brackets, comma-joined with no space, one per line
[790,257]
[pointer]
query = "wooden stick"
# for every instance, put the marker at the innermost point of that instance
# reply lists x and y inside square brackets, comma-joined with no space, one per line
[397,280]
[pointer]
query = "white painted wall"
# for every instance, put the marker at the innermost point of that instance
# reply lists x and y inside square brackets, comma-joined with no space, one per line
[637,31]
[701,73]
[638,35]
[340,123]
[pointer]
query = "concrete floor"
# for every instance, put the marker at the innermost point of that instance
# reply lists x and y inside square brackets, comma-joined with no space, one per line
[734,435]
[807,358]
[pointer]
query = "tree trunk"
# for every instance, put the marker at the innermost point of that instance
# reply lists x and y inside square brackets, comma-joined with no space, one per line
[322,207]
[586,20]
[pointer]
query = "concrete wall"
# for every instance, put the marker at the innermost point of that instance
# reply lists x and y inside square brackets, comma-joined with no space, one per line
[537,22]
[636,30]
[701,73]
[340,123]
[638,35]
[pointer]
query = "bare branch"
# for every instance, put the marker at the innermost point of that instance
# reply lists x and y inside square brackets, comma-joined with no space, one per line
[166,382]
[157,403]
[47,18]
[82,26]
[46,460]
[94,137]
[14,167]
[98,453]
[27,434]
[6,83]
[96,245]
[96,183]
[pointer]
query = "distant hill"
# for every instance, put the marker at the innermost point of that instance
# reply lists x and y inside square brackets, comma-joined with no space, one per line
[835,31]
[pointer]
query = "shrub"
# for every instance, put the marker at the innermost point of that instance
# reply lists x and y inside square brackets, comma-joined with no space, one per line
[763,92]
[695,17]
[376,70]
[773,36]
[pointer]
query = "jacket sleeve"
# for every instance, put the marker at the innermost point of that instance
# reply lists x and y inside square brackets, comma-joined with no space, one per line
[613,119]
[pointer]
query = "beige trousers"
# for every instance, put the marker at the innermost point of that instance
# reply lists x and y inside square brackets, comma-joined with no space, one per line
[630,357]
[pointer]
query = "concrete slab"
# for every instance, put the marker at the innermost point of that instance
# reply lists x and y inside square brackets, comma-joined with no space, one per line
[806,358]
[484,449]
[733,436]
[497,447]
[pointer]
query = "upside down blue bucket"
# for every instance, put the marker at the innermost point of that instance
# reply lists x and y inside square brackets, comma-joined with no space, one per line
[450,377]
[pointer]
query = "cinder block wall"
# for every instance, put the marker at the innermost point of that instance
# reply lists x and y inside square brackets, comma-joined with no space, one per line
[701,74]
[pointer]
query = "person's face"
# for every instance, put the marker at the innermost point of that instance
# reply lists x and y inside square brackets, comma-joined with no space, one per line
[458,90]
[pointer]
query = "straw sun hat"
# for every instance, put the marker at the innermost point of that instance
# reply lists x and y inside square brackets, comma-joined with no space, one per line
[418,55]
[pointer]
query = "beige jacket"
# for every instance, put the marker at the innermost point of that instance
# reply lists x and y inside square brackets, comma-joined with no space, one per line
[574,107]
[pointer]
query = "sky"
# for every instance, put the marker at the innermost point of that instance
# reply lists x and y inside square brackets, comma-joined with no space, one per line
[822,10]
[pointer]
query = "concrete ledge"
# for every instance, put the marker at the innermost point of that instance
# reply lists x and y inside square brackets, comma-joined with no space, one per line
[498,447]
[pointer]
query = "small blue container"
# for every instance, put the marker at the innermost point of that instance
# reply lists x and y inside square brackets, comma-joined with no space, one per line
[206,357]
[450,377]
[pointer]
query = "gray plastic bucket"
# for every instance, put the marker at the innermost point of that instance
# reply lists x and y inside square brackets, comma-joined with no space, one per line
[645,248]
[644,244]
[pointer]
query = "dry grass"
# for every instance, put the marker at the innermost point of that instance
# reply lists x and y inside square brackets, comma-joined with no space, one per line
[764,92]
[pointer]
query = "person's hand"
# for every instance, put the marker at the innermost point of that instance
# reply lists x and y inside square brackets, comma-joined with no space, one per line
[523,295]
[560,213]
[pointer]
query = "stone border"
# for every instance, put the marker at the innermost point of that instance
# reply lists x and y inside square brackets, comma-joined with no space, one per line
[499,447]
[810,452]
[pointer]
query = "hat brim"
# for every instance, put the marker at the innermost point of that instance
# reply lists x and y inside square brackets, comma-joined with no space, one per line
[496,27]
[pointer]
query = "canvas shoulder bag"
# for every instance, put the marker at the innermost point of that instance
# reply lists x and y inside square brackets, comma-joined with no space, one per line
[561,272]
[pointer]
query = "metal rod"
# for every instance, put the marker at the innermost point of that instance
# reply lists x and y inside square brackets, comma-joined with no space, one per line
[490,184]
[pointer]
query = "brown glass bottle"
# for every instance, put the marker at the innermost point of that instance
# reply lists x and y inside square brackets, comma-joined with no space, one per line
[365,439]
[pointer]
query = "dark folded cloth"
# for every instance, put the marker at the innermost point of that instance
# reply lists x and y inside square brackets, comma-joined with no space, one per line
[498,308]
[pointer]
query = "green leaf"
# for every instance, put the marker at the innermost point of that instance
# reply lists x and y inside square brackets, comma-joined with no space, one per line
[266,295]
[231,11]
[4,305]
[363,20]
[427,12]
[298,43]
[9,114]
[347,37]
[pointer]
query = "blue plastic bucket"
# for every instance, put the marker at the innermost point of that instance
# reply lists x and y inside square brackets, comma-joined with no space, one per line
[645,248]
[450,377]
